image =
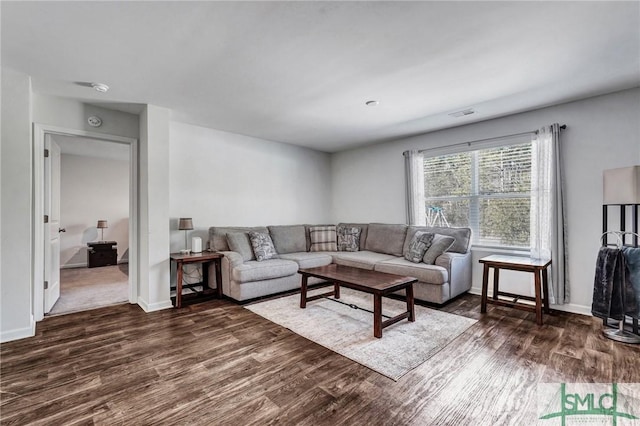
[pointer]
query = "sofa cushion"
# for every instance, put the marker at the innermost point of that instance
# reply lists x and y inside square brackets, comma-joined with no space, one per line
[262,246]
[364,228]
[360,259]
[265,270]
[288,238]
[420,242]
[323,238]
[386,238]
[240,243]
[431,274]
[462,236]
[308,236]
[348,238]
[218,235]
[440,244]
[309,260]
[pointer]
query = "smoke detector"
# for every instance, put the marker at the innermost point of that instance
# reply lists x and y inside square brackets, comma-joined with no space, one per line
[94,121]
[462,113]
[100,87]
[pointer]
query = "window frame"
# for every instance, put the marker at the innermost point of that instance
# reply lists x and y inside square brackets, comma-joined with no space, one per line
[475,197]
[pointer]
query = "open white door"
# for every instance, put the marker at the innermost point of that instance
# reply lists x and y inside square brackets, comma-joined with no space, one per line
[52,227]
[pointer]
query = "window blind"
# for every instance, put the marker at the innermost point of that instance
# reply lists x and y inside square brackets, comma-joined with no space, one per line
[486,189]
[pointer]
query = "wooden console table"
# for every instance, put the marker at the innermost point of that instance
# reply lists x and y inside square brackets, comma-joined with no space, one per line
[204,258]
[516,263]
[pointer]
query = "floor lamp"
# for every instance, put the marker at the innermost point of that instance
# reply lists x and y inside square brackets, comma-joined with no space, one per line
[622,187]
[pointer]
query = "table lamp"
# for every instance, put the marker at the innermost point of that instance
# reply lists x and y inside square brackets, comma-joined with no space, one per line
[102,224]
[185,224]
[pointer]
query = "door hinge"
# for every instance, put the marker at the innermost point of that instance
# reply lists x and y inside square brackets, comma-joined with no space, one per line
[46,153]
[46,285]
[46,218]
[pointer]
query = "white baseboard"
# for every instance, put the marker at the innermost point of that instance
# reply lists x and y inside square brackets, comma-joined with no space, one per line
[574,309]
[20,333]
[569,307]
[152,307]
[73,265]
[84,264]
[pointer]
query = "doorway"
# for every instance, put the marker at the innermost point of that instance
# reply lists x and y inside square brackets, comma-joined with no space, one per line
[93,197]
[43,264]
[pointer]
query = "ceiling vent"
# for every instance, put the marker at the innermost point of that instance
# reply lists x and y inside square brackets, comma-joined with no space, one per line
[462,113]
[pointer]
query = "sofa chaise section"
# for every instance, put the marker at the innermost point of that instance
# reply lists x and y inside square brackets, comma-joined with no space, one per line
[244,278]
[449,277]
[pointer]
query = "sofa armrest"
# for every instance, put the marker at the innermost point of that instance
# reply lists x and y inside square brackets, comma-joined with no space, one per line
[233,258]
[459,267]
[230,260]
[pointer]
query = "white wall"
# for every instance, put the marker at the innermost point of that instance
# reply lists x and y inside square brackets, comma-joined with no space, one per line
[16,281]
[221,179]
[92,188]
[73,114]
[603,133]
[153,238]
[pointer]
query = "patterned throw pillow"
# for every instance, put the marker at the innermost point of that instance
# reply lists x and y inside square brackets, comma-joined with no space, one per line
[263,246]
[418,246]
[348,238]
[323,238]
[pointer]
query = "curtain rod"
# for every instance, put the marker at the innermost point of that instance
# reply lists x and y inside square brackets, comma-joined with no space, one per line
[533,132]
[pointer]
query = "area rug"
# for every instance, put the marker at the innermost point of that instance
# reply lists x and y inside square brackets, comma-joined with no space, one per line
[349,332]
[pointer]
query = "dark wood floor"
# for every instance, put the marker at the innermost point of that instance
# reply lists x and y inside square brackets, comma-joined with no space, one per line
[216,363]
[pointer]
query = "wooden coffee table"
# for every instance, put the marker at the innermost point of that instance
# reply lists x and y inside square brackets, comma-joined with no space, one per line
[376,283]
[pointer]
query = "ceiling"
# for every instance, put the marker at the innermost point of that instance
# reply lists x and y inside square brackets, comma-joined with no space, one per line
[301,72]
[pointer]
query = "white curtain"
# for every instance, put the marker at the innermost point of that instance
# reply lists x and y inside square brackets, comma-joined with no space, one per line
[548,231]
[414,176]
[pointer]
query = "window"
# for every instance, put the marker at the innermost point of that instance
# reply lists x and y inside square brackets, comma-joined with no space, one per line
[488,190]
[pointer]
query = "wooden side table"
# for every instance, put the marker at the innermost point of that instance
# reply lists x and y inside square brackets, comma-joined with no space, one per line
[515,263]
[204,258]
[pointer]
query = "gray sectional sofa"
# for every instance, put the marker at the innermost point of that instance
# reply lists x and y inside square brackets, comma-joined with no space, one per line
[381,248]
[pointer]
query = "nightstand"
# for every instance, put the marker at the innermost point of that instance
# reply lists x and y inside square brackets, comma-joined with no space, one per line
[205,259]
[102,253]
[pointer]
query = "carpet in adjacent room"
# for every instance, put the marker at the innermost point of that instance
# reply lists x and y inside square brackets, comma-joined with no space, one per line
[82,289]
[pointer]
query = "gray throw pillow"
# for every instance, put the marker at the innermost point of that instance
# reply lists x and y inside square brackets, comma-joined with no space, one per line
[240,243]
[263,246]
[440,244]
[418,246]
[348,238]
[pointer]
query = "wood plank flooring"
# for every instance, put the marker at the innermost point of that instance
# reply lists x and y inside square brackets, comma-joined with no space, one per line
[216,363]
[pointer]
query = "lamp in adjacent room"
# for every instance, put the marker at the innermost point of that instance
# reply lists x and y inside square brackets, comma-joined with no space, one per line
[185,224]
[102,224]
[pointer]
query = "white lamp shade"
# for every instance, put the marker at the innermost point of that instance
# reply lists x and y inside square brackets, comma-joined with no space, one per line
[622,186]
